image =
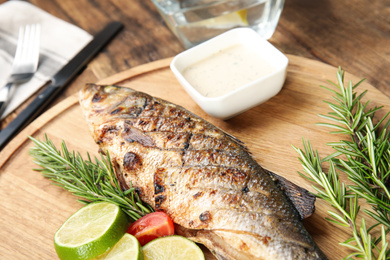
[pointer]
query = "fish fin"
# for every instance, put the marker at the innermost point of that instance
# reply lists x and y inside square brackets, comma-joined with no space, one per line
[301,198]
[218,247]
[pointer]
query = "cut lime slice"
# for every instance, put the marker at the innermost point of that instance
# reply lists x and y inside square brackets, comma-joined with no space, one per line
[234,19]
[91,231]
[172,248]
[127,248]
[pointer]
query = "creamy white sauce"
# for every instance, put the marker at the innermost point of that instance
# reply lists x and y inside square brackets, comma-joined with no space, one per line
[227,70]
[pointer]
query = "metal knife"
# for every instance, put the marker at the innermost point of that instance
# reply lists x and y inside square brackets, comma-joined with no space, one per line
[59,82]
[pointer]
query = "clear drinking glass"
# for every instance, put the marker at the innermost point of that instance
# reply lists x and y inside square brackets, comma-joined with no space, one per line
[195,21]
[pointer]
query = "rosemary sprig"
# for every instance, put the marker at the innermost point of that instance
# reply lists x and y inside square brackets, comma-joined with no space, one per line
[365,159]
[92,181]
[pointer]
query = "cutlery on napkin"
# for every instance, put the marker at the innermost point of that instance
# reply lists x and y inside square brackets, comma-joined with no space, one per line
[60,41]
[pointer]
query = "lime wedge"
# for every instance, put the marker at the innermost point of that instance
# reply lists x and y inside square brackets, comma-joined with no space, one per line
[127,248]
[230,20]
[91,231]
[172,248]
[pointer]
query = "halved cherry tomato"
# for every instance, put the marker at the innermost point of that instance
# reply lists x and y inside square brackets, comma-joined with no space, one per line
[151,226]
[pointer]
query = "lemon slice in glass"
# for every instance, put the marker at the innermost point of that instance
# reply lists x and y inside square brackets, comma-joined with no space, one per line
[172,248]
[230,20]
[127,248]
[91,231]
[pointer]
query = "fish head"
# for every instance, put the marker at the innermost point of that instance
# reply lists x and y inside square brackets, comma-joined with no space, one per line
[99,101]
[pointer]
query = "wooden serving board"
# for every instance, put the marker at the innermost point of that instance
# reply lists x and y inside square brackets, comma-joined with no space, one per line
[32,209]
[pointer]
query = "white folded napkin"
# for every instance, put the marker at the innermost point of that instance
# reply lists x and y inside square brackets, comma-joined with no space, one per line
[60,41]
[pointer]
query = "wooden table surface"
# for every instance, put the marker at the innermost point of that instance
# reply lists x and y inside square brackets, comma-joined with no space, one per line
[354,34]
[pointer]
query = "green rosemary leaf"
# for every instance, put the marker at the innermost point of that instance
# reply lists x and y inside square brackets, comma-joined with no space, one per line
[331,156]
[346,130]
[357,84]
[85,202]
[346,151]
[337,222]
[143,207]
[364,158]
[127,192]
[357,117]
[348,243]
[332,118]
[340,80]
[349,95]
[341,221]
[385,244]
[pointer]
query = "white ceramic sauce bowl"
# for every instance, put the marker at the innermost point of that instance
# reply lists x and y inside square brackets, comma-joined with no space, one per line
[242,97]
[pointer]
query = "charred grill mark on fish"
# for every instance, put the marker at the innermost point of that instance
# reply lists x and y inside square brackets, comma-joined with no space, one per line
[204,178]
[245,189]
[160,189]
[198,194]
[159,199]
[106,133]
[159,186]
[205,216]
[132,162]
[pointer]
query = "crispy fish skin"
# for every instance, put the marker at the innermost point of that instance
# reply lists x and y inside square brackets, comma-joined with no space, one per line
[203,178]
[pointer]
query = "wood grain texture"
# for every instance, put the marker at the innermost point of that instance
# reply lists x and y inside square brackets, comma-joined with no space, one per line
[33,209]
[354,34]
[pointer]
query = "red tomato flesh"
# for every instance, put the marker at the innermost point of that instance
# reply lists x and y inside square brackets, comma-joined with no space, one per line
[151,226]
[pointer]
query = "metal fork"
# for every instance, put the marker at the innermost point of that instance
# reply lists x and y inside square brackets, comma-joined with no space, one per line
[25,62]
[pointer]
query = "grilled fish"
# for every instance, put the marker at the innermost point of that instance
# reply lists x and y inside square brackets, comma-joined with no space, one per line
[203,178]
